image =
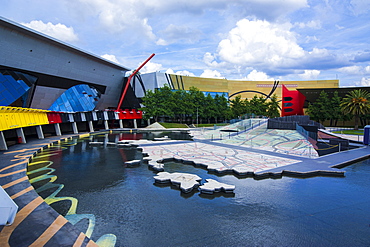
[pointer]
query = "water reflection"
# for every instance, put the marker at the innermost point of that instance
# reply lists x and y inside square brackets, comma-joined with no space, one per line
[318,211]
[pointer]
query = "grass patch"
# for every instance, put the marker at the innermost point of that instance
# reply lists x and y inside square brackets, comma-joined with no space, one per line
[173,125]
[350,132]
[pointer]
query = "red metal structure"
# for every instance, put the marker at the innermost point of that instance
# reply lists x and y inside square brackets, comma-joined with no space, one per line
[54,117]
[130,114]
[293,102]
[129,80]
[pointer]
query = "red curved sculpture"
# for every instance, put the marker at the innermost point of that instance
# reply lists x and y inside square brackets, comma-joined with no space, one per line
[292,103]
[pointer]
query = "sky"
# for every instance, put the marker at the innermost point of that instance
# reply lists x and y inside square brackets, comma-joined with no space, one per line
[234,39]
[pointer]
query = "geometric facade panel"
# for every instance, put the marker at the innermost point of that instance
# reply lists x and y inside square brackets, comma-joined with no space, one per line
[78,98]
[11,89]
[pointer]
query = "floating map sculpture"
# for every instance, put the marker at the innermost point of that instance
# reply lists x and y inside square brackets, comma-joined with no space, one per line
[132,163]
[214,186]
[187,182]
[156,166]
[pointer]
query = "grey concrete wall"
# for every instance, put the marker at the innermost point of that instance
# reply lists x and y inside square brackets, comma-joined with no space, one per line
[22,48]
[45,97]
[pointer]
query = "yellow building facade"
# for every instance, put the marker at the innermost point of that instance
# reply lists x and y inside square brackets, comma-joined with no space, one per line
[247,88]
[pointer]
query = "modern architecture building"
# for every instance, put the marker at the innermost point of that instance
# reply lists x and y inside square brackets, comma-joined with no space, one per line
[73,89]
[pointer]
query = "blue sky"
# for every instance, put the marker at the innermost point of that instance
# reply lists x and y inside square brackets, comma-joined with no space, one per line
[233,39]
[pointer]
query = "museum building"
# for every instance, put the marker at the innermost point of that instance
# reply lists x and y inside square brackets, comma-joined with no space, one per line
[47,85]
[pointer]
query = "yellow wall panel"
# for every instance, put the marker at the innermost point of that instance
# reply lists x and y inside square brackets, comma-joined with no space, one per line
[16,117]
[234,86]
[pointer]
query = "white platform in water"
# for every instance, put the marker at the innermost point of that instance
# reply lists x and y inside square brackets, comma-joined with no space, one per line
[133,162]
[125,145]
[187,182]
[111,144]
[146,159]
[156,166]
[96,143]
[214,186]
[124,142]
[165,138]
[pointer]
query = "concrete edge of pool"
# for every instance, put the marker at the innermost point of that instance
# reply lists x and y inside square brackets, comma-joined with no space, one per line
[37,224]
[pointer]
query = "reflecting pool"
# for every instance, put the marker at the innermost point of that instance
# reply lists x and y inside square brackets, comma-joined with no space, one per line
[319,211]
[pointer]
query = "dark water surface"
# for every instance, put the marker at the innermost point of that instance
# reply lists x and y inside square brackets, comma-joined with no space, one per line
[318,211]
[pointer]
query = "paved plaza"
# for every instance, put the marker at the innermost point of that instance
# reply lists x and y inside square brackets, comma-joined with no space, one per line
[253,133]
[217,158]
[246,147]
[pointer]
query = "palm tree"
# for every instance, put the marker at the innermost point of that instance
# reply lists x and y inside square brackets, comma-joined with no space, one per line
[356,103]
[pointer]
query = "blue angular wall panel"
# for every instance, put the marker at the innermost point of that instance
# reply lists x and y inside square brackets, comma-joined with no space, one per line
[77,99]
[11,89]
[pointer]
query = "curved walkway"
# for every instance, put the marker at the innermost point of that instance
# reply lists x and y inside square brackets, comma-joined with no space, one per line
[36,223]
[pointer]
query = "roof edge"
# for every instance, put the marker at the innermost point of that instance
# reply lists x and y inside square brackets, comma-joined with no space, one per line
[21,28]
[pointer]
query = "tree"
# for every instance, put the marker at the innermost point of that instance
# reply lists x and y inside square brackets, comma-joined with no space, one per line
[180,104]
[223,109]
[335,112]
[258,106]
[237,107]
[196,103]
[312,111]
[149,100]
[211,110]
[158,103]
[273,107]
[356,103]
[320,110]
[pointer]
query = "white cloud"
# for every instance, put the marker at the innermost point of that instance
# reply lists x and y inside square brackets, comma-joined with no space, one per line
[210,60]
[170,71]
[310,39]
[151,67]
[161,42]
[310,74]
[211,74]
[58,31]
[291,39]
[180,34]
[314,24]
[360,6]
[255,75]
[110,58]
[339,27]
[183,72]
[365,82]
[355,70]
[367,69]
[134,15]
[256,42]
[269,47]
[118,16]
[351,70]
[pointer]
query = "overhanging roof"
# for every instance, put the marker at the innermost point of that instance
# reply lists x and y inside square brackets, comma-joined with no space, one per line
[314,93]
[35,34]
